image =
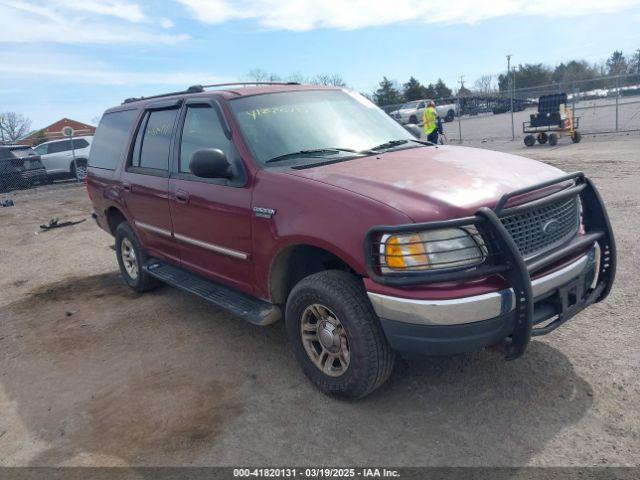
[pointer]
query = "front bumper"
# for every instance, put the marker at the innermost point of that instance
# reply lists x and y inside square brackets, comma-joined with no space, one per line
[509,316]
[477,308]
[33,175]
[446,327]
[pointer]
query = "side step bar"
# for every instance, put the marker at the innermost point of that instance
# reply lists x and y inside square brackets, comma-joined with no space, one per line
[251,309]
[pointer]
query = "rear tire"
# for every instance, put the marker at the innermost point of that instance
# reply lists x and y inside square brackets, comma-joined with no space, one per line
[553,139]
[542,138]
[131,258]
[328,316]
[450,116]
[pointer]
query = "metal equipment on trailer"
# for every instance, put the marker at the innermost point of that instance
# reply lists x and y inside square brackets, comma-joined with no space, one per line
[552,120]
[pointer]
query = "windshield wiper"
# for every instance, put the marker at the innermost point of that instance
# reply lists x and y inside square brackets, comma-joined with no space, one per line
[395,143]
[317,152]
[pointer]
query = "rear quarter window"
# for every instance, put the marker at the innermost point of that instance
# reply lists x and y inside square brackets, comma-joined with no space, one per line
[111,139]
[58,147]
[79,143]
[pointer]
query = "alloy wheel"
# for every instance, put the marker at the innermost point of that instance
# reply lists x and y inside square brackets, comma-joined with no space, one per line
[129,259]
[325,340]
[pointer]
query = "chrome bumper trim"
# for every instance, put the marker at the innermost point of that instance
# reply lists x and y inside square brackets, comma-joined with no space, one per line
[212,247]
[471,309]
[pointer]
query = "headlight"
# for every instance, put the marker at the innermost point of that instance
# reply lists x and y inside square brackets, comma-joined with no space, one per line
[431,250]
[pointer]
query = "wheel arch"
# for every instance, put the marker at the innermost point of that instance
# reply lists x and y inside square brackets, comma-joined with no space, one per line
[115,217]
[296,261]
[78,160]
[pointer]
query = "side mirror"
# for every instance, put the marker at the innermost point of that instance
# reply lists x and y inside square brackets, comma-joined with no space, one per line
[210,163]
[413,129]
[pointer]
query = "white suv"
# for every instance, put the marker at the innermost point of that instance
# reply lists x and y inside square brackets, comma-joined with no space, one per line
[57,157]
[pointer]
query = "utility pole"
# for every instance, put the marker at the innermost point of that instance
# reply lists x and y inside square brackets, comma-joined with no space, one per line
[510,77]
[460,108]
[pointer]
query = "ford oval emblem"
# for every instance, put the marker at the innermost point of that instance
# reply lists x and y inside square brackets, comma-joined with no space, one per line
[551,227]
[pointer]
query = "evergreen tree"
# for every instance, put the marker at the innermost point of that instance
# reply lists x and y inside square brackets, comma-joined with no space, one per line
[387,93]
[617,64]
[414,90]
[441,90]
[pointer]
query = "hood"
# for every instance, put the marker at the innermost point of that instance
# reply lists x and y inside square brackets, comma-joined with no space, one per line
[434,183]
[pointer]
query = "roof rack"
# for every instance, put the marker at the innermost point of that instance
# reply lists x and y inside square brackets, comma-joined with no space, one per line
[192,89]
[236,84]
[200,88]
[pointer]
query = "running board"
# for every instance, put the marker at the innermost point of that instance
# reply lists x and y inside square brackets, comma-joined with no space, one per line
[251,309]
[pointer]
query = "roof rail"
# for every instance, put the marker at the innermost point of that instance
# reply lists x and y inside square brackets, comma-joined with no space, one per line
[191,89]
[200,88]
[235,84]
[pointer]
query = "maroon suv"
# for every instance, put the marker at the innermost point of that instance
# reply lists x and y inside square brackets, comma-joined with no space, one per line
[312,205]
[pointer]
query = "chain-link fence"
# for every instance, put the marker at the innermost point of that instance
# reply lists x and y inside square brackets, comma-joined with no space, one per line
[600,105]
[20,168]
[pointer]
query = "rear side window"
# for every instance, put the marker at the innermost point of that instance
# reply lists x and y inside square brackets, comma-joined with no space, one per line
[57,147]
[111,138]
[153,140]
[79,143]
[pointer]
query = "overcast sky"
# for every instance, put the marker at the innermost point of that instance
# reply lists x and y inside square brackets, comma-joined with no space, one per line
[75,58]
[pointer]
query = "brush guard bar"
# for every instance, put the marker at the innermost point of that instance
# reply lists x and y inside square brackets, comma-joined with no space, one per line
[504,259]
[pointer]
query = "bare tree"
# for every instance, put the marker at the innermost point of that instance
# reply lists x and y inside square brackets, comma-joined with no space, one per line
[13,126]
[484,84]
[297,77]
[258,75]
[334,80]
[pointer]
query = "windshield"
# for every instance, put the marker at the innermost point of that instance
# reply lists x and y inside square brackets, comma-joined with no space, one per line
[277,124]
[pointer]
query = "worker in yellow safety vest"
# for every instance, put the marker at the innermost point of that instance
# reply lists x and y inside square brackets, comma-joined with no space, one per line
[430,122]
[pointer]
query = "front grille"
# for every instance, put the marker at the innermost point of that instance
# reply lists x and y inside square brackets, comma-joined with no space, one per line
[527,227]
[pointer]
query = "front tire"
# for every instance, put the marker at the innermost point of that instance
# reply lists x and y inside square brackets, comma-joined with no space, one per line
[450,116]
[529,140]
[131,258]
[336,336]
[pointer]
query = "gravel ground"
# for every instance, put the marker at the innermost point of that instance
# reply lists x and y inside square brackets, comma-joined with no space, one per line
[595,116]
[94,374]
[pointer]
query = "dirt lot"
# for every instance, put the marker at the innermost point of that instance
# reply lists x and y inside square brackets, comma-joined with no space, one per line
[93,374]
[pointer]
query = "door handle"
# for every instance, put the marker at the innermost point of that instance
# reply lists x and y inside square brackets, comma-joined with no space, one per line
[181,196]
[126,186]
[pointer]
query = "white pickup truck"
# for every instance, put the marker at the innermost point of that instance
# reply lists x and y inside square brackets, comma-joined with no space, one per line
[411,112]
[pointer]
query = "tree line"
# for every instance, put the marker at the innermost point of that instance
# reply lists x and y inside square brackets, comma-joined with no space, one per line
[574,71]
[526,75]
